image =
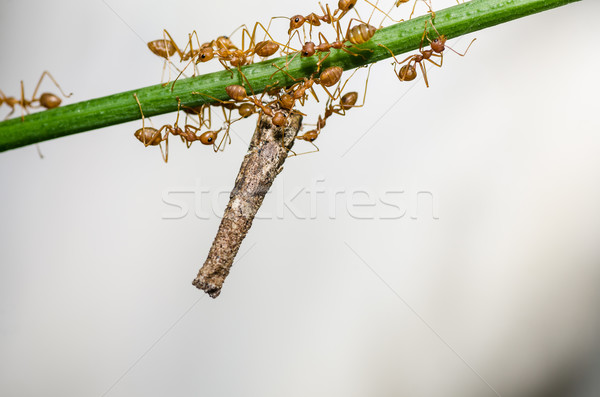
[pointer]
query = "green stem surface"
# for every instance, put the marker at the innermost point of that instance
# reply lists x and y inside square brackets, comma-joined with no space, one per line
[120,108]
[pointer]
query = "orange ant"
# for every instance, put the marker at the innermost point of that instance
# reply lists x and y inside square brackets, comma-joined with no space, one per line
[309,48]
[150,136]
[227,52]
[203,112]
[166,48]
[364,31]
[311,19]
[408,72]
[344,6]
[328,78]
[46,100]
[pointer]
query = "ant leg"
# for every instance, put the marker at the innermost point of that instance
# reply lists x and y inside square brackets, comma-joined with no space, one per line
[236,29]
[46,73]
[249,85]
[322,39]
[393,56]
[366,86]
[162,75]
[312,151]
[439,65]
[226,136]
[287,63]
[424,70]
[172,42]
[23,100]
[346,50]
[413,10]
[287,45]
[178,111]
[39,152]
[179,75]
[206,121]
[246,32]
[9,114]
[342,111]
[283,71]
[141,112]
[222,62]
[314,94]
[322,60]
[464,53]
[212,97]
[386,14]
[165,153]
[334,96]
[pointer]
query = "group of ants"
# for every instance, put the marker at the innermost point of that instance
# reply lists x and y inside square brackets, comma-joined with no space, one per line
[282,101]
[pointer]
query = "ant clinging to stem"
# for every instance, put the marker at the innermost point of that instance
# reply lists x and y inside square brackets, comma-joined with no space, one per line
[408,71]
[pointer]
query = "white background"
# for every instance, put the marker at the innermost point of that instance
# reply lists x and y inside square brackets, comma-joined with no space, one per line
[95,284]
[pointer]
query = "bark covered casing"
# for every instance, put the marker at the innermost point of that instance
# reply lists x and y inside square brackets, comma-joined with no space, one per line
[267,153]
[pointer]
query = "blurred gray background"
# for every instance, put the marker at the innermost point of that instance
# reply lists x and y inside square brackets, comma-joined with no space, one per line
[452,252]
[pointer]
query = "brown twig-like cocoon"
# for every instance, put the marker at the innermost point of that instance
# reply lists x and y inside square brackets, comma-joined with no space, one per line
[263,162]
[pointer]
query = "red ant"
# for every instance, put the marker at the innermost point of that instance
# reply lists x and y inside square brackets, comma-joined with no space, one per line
[408,72]
[166,48]
[227,52]
[328,78]
[46,100]
[150,136]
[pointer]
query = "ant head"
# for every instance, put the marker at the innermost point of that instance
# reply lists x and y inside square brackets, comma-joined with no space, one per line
[206,54]
[295,22]
[346,5]
[208,138]
[308,49]
[438,45]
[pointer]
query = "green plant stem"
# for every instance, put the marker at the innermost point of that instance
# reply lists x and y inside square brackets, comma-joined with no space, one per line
[120,108]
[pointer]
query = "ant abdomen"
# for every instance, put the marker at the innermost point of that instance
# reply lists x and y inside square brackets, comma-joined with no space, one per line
[149,136]
[362,33]
[330,76]
[50,101]
[236,92]
[162,48]
[266,48]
